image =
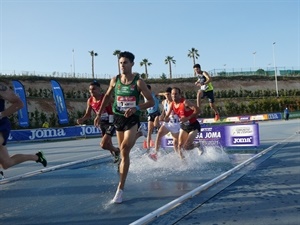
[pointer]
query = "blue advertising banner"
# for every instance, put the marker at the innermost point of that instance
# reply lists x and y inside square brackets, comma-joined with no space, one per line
[59,99]
[274,116]
[22,113]
[241,135]
[53,133]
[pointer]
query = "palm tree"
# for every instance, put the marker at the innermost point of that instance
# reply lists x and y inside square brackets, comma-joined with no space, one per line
[169,60]
[93,54]
[117,53]
[193,53]
[145,63]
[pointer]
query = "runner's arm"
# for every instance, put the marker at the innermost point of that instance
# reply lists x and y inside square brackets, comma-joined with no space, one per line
[146,93]
[87,114]
[15,102]
[193,107]
[105,101]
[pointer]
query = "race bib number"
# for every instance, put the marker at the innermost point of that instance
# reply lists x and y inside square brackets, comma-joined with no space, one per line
[203,87]
[174,119]
[104,116]
[125,102]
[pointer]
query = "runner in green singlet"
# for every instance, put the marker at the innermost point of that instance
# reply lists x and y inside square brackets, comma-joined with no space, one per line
[126,107]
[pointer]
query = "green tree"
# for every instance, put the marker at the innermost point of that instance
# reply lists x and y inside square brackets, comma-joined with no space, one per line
[193,53]
[69,94]
[169,60]
[53,120]
[35,117]
[231,107]
[43,117]
[78,94]
[45,93]
[35,93]
[72,118]
[85,95]
[146,63]
[93,54]
[243,108]
[30,92]
[117,53]
[143,75]
[163,76]
[260,72]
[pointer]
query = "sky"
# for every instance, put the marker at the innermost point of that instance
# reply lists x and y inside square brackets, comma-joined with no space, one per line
[46,36]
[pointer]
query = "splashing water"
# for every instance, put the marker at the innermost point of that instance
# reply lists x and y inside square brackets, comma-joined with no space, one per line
[215,153]
[143,167]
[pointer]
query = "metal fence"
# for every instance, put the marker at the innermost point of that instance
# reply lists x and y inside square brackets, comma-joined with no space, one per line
[268,71]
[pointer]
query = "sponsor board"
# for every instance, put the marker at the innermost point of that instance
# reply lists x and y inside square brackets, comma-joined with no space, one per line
[241,135]
[53,133]
[232,119]
[259,117]
[275,116]
[245,118]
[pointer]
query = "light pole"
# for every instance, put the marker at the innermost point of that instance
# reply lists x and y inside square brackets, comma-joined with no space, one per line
[275,69]
[254,53]
[93,54]
[73,57]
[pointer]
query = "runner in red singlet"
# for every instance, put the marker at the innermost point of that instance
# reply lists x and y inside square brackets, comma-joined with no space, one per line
[106,122]
[189,125]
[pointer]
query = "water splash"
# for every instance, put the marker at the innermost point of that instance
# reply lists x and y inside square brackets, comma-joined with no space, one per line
[169,163]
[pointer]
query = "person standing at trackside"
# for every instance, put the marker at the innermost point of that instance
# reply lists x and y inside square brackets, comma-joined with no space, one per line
[107,118]
[153,116]
[7,161]
[286,113]
[206,89]
[189,125]
[127,88]
[171,126]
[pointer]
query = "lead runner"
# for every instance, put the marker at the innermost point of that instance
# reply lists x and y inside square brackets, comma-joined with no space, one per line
[127,88]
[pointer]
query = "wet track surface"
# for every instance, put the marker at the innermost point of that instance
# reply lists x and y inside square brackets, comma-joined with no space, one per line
[81,192]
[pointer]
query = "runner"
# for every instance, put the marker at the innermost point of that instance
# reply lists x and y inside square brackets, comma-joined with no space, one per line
[106,124]
[7,161]
[171,126]
[189,125]
[127,88]
[153,117]
[206,89]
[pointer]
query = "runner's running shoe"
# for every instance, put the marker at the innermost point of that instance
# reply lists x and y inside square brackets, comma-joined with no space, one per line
[153,156]
[200,151]
[118,197]
[117,156]
[217,117]
[41,159]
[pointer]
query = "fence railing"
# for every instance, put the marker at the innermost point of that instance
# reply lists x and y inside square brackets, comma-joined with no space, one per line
[268,71]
